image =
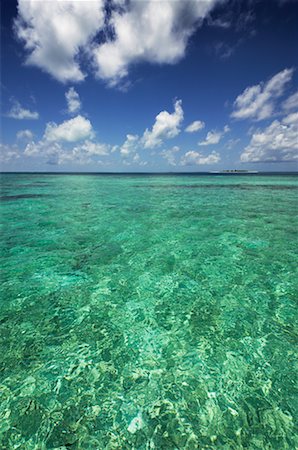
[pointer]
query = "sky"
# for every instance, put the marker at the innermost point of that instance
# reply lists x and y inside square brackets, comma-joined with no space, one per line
[149,85]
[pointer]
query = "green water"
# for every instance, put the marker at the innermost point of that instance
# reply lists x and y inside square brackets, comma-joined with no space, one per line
[148,312]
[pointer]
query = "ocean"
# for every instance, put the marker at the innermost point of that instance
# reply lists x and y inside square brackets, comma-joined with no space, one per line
[148,311]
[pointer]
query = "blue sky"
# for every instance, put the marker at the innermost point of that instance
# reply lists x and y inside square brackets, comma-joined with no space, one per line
[149,85]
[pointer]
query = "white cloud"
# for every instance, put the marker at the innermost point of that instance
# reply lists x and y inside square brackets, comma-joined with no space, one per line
[130,145]
[193,158]
[73,101]
[20,113]
[135,161]
[33,148]
[291,102]
[25,135]
[232,143]
[258,102]
[153,31]
[54,32]
[166,126]
[291,119]
[94,148]
[214,137]
[8,152]
[71,130]
[169,155]
[42,148]
[55,153]
[277,142]
[84,153]
[60,143]
[197,125]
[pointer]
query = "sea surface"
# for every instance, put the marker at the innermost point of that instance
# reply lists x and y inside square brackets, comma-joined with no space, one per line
[148,312]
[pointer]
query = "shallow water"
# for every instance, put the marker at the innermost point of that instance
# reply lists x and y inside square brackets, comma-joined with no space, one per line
[148,312]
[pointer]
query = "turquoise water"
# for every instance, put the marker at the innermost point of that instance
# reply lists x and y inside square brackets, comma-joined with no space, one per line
[148,312]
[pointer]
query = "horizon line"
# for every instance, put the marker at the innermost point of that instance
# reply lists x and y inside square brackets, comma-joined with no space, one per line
[149,173]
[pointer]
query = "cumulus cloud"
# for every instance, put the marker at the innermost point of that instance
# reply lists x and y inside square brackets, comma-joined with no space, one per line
[25,135]
[277,142]
[8,153]
[130,145]
[42,148]
[258,102]
[94,148]
[170,155]
[57,153]
[291,102]
[149,31]
[197,125]
[33,148]
[71,130]
[83,153]
[166,126]
[135,161]
[20,113]
[193,158]
[70,141]
[54,31]
[214,137]
[73,101]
